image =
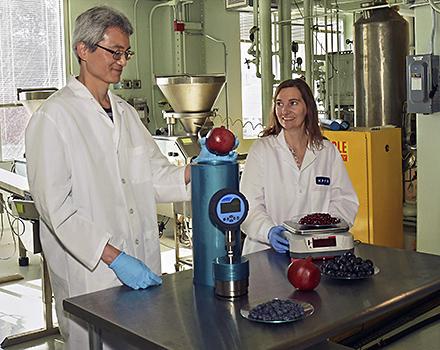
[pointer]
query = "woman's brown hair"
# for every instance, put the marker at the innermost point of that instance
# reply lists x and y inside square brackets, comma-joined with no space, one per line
[311,120]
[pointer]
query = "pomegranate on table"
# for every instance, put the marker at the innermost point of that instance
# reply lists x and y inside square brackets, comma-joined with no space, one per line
[220,141]
[303,274]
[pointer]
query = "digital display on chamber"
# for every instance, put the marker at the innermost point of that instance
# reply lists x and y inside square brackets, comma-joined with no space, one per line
[324,242]
[230,207]
[187,141]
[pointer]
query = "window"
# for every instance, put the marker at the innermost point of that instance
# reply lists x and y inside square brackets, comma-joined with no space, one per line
[251,84]
[31,56]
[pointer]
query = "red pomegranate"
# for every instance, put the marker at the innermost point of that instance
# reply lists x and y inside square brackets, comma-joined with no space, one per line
[304,274]
[220,141]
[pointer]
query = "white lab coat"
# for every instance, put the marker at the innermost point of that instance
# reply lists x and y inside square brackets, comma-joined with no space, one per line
[278,191]
[94,182]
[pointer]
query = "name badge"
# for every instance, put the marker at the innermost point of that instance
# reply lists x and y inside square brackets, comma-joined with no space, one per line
[322,180]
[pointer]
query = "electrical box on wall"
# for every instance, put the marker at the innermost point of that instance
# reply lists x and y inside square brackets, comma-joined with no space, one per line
[422,74]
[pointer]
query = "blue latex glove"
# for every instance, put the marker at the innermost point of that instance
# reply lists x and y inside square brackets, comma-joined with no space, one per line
[277,239]
[134,273]
[205,156]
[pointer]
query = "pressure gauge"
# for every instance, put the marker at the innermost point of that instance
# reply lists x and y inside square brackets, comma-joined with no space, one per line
[228,208]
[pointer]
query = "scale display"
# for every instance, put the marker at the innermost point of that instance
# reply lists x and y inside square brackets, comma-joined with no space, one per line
[228,208]
[324,242]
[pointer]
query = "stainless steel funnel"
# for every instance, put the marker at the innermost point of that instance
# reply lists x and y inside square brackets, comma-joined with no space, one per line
[32,98]
[191,93]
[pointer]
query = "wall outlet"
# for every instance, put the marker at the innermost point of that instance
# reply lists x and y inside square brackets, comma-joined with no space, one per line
[127,84]
[137,84]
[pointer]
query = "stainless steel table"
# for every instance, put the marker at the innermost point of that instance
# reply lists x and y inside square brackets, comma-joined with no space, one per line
[179,315]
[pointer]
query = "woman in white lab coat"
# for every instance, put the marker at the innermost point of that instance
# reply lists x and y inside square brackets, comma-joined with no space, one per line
[292,171]
[96,174]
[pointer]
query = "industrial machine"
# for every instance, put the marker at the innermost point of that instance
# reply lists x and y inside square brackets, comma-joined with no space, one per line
[379,67]
[218,211]
[191,98]
[228,209]
[318,242]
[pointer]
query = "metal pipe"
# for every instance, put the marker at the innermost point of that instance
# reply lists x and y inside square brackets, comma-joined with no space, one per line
[266,58]
[178,41]
[185,17]
[257,40]
[434,24]
[226,73]
[285,33]
[338,49]
[434,6]
[300,18]
[362,9]
[332,97]
[179,15]
[412,46]
[95,337]
[68,37]
[150,25]
[327,61]
[308,5]
[136,37]
[12,104]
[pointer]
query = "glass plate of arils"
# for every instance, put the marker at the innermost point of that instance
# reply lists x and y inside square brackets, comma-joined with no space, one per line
[349,267]
[277,311]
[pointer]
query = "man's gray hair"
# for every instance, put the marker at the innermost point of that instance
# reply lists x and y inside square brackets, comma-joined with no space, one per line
[91,25]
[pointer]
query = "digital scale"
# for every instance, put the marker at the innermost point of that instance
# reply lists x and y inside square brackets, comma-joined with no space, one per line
[318,241]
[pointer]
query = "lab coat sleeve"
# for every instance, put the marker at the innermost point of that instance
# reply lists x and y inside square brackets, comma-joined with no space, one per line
[344,201]
[258,222]
[168,179]
[49,176]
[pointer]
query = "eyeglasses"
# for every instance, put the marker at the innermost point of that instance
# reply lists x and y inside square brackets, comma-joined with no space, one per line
[117,55]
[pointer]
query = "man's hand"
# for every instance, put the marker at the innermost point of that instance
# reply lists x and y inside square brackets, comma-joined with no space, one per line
[109,254]
[187,174]
[134,273]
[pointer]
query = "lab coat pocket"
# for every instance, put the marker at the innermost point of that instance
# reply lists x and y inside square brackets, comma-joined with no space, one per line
[320,197]
[138,165]
[320,188]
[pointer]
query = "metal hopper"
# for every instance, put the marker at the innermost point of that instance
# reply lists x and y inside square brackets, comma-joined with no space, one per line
[191,97]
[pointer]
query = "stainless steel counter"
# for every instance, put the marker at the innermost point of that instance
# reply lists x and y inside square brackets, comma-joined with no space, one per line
[179,315]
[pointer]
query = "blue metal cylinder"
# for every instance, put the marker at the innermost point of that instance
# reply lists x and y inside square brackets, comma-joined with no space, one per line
[208,240]
[225,271]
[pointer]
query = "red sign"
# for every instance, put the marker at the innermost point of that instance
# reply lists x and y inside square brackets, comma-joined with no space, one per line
[342,147]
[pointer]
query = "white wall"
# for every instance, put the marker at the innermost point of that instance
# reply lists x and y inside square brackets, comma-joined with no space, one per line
[428,148]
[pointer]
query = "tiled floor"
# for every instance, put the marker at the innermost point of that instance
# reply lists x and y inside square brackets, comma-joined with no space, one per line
[21,305]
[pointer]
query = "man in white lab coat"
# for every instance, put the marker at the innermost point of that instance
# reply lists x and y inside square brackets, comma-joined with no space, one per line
[96,174]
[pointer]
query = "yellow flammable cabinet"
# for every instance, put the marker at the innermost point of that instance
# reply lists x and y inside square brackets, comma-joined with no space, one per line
[373,157]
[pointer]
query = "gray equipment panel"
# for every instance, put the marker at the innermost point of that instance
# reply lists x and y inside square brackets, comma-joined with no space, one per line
[422,73]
